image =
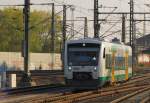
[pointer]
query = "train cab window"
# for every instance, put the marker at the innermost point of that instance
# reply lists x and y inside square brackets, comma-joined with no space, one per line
[87,55]
[104,53]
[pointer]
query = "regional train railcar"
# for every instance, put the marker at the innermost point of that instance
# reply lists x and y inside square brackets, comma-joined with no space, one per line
[92,63]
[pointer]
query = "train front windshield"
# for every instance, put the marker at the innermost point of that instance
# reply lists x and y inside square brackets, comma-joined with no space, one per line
[83,54]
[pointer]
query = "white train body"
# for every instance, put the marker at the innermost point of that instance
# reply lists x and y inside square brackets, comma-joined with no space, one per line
[91,62]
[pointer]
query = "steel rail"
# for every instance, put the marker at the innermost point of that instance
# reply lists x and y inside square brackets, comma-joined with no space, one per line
[30,89]
[88,95]
[145,100]
[130,95]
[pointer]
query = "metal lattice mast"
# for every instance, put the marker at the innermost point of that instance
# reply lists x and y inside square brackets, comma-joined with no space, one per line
[72,18]
[131,22]
[64,24]
[52,35]
[26,36]
[133,35]
[64,34]
[96,24]
[123,28]
[144,25]
[85,28]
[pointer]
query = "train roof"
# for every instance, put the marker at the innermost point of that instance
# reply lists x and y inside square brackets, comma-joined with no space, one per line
[86,40]
[95,40]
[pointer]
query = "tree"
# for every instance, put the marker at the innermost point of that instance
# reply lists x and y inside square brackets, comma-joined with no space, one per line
[12,30]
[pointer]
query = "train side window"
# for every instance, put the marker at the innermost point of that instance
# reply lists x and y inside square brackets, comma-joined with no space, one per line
[104,53]
[130,61]
[108,61]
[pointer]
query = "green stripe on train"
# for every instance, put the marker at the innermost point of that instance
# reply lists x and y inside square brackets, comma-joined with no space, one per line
[117,77]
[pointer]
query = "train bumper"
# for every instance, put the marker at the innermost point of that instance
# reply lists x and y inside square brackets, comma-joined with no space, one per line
[83,83]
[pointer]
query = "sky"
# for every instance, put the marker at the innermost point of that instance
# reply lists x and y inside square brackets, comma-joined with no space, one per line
[85,8]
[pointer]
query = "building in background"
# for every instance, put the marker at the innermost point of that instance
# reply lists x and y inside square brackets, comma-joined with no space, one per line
[144,58]
[143,43]
[143,47]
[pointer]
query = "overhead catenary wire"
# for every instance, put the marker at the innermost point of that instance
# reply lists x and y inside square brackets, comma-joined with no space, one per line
[47,19]
[31,4]
[68,26]
[59,3]
[118,31]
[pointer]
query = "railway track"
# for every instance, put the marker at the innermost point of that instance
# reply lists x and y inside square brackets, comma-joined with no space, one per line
[77,97]
[132,97]
[106,91]
[20,92]
[21,95]
[31,89]
[145,100]
[63,94]
[109,98]
[137,79]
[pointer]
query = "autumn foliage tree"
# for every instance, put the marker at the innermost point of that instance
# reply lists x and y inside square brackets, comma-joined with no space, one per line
[12,30]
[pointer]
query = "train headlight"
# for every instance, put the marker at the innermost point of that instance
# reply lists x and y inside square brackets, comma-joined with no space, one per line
[69,68]
[95,68]
[83,44]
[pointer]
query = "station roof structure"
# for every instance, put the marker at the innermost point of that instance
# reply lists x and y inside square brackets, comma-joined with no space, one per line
[144,43]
